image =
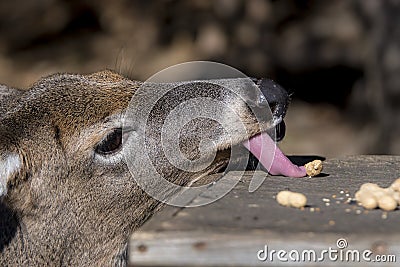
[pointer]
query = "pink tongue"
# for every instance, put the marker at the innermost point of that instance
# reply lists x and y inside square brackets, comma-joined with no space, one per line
[271,157]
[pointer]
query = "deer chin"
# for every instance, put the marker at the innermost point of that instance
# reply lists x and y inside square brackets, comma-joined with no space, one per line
[271,157]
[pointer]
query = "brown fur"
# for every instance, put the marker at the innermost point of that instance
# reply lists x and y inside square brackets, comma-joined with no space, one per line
[65,205]
[61,219]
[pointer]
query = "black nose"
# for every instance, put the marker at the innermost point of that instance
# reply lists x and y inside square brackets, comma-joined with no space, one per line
[276,95]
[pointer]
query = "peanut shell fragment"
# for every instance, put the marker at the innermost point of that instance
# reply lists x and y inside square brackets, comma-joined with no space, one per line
[313,168]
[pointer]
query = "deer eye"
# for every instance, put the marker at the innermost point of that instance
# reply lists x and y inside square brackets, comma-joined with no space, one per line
[111,143]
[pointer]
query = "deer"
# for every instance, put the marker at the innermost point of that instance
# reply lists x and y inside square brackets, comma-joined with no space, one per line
[67,196]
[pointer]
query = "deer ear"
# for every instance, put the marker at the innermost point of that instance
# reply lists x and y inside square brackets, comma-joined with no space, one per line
[10,164]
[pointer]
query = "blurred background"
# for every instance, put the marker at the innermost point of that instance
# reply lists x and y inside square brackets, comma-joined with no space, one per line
[341,58]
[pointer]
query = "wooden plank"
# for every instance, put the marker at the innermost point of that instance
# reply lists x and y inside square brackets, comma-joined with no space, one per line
[230,231]
[201,248]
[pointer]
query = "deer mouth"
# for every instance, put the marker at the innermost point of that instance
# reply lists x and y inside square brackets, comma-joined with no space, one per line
[261,145]
[259,142]
[264,148]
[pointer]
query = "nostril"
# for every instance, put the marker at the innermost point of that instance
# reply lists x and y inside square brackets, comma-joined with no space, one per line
[280,131]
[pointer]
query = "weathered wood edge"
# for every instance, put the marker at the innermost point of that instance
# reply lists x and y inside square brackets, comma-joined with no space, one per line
[178,247]
[233,249]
